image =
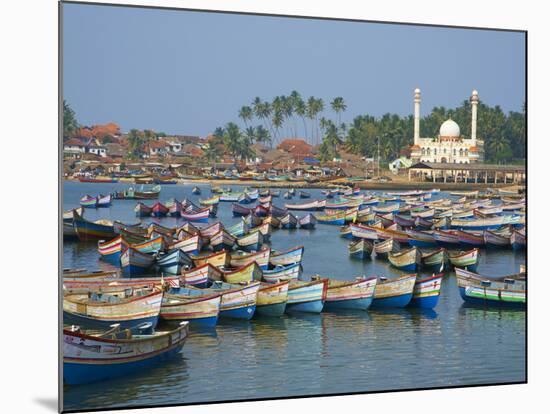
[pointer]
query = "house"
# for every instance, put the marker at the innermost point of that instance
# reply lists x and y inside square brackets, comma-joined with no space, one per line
[74,147]
[157,148]
[116,151]
[98,150]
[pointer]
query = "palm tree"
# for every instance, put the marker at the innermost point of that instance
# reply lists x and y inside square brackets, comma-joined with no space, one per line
[70,124]
[300,109]
[262,134]
[338,106]
[245,113]
[311,113]
[231,139]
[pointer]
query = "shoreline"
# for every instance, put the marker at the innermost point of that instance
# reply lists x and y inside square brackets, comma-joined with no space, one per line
[363,185]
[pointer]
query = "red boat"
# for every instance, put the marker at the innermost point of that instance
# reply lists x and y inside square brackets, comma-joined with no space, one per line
[159,209]
[98,180]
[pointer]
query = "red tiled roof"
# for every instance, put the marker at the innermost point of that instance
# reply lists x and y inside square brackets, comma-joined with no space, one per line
[74,142]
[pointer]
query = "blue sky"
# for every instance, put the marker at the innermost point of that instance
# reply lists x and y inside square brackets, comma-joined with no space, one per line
[189,72]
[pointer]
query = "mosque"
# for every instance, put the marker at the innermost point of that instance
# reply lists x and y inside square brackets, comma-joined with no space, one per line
[449,146]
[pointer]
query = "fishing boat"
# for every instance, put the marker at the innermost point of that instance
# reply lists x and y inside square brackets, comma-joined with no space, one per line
[116,284]
[198,310]
[159,210]
[426,292]
[518,240]
[198,216]
[289,221]
[488,223]
[264,229]
[407,259]
[345,232]
[307,222]
[210,201]
[385,247]
[287,195]
[337,219]
[252,241]
[355,294]
[364,232]
[261,211]
[143,210]
[128,307]
[230,197]
[506,291]
[423,213]
[280,273]
[252,221]
[85,275]
[200,276]
[393,293]
[470,238]
[434,259]
[304,194]
[133,262]
[446,238]
[240,211]
[316,205]
[238,302]
[222,240]
[404,221]
[272,299]
[306,296]
[493,239]
[103,201]
[216,259]
[239,258]
[98,179]
[465,259]
[110,250]
[88,201]
[239,229]
[421,238]
[287,257]
[173,261]
[144,194]
[277,212]
[361,249]
[468,194]
[92,230]
[244,274]
[386,208]
[174,208]
[273,221]
[91,356]
[190,245]
[196,190]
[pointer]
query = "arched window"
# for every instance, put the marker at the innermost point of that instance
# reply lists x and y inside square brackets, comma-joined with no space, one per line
[465,152]
[444,150]
[454,152]
[428,152]
[423,151]
[461,152]
[435,151]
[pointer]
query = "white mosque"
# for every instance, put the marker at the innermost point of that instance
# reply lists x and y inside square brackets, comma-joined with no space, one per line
[449,146]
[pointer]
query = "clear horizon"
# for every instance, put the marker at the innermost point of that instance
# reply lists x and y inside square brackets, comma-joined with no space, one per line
[186,73]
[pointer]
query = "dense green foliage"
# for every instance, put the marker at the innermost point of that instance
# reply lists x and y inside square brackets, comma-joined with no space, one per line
[70,124]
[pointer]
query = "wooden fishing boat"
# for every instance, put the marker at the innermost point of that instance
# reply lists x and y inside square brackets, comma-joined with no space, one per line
[196,190]
[280,273]
[363,232]
[424,213]
[238,302]
[289,221]
[307,222]
[273,221]
[272,298]
[174,207]
[189,245]
[198,310]
[383,248]
[421,238]
[200,276]
[265,200]
[173,261]
[469,238]
[513,206]
[103,180]
[306,296]
[244,274]
[85,275]
[434,259]
[287,257]
[518,240]
[103,201]
[345,232]
[110,284]
[110,250]
[210,201]
[393,293]
[355,294]
[488,223]
[91,356]
[143,194]
[304,194]
[446,238]
[143,210]
[222,240]
[133,262]
[92,230]
[407,259]
[493,239]
[386,208]
[287,195]
[218,259]
[88,201]
[426,292]
[199,216]
[315,205]
[239,229]
[265,229]
[403,221]
[230,197]
[506,291]
[239,258]
[128,307]
[240,211]
[468,194]
[466,259]
[337,219]
[278,212]
[361,249]
[252,241]
[261,211]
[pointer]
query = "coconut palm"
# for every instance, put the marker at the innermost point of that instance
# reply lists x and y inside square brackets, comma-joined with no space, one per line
[338,106]
[70,124]
[246,114]
[300,108]
[262,135]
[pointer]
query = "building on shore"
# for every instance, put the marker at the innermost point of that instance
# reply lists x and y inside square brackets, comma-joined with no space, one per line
[475,173]
[449,146]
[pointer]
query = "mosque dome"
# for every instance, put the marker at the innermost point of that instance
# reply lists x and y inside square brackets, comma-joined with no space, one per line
[449,128]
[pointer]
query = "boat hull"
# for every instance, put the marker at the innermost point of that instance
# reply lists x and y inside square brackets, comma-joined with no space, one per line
[360,304]
[93,323]
[398,301]
[315,306]
[275,309]
[245,312]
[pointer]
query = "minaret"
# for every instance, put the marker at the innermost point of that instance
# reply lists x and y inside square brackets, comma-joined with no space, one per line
[416,116]
[474,100]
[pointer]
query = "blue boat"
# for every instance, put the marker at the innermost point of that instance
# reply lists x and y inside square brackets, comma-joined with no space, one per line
[133,262]
[344,294]
[306,297]
[393,293]
[426,292]
[128,308]
[406,260]
[173,261]
[96,356]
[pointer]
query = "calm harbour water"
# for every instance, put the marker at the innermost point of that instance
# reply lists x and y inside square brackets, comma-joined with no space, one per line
[314,354]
